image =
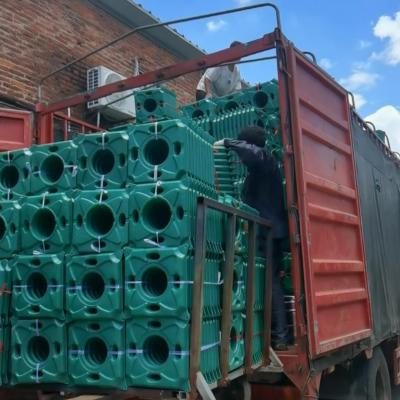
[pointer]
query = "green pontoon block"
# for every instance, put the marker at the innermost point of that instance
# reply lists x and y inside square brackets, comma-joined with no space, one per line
[100,221]
[46,223]
[53,167]
[94,286]
[10,214]
[5,350]
[158,283]
[5,289]
[15,171]
[38,352]
[258,332]
[205,108]
[239,288]
[155,104]
[38,286]
[236,342]
[164,213]
[169,150]
[96,354]
[102,160]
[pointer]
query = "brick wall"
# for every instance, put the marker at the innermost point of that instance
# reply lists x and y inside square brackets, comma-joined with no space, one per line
[40,35]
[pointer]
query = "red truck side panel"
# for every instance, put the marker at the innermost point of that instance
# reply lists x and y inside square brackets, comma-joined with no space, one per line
[15,128]
[337,300]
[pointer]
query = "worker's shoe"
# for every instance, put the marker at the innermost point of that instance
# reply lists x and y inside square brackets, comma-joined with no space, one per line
[279,346]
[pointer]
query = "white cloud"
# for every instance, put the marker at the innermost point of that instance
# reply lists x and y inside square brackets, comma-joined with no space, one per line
[359,79]
[387,118]
[325,63]
[359,100]
[389,28]
[364,44]
[214,26]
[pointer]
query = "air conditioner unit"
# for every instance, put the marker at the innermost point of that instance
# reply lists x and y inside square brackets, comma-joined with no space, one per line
[110,105]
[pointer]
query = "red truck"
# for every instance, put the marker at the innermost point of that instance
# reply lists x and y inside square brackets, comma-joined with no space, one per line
[343,202]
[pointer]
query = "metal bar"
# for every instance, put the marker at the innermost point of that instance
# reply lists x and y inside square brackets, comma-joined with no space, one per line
[210,203]
[65,129]
[251,265]
[226,317]
[197,295]
[267,299]
[267,42]
[159,24]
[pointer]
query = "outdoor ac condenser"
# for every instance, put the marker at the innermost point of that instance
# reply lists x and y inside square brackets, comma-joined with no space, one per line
[110,105]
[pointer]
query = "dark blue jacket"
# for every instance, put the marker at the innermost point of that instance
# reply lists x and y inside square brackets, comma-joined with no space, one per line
[262,188]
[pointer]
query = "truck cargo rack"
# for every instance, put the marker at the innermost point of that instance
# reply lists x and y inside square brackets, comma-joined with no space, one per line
[196,379]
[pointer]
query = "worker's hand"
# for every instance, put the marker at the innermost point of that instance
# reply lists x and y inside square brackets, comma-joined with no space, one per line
[219,143]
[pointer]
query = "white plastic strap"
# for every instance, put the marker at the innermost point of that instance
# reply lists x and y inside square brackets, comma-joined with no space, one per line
[73,167]
[158,183]
[37,327]
[152,242]
[37,373]
[103,138]
[44,198]
[8,157]
[8,194]
[155,174]
[98,248]
[101,193]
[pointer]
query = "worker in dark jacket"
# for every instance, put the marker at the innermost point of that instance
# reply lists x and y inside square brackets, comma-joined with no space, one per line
[263,191]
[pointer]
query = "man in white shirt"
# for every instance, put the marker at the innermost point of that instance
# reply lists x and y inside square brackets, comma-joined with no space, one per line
[219,81]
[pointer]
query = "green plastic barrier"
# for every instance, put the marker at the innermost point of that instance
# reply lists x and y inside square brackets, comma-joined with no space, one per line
[53,167]
[155,104]
[4,352]
[102,160]
[15,172]
[158,352]
[38,352]
[236,342]
[258,331]
[38,286]
[259,292]
[158,282]
[164,214]
[100,221]
[5,289]
[46,223]
[10,214]
[169,150]
[96,355]
[210,350]
[205,108]
[94,286]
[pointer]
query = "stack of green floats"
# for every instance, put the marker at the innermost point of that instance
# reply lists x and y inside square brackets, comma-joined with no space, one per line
[97,250]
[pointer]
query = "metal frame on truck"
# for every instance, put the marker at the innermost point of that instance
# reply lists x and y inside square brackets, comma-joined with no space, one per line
[333,311]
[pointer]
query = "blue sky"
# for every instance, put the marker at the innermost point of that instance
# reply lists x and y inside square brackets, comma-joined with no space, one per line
[357,41]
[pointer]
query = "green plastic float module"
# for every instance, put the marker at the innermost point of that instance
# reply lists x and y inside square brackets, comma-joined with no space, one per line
[38,352]
[38,286]
[238,288]
[102,160]
[46,223]
[5,289]
[236,341]
[165,213]
[169,150]
[155,104]
[158,282]
[4,351]
[94,286]
[10,214]
[96,353]
[205,108]
[53,167]
[15,172]
[100,221]
[158,352]
[258,337]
